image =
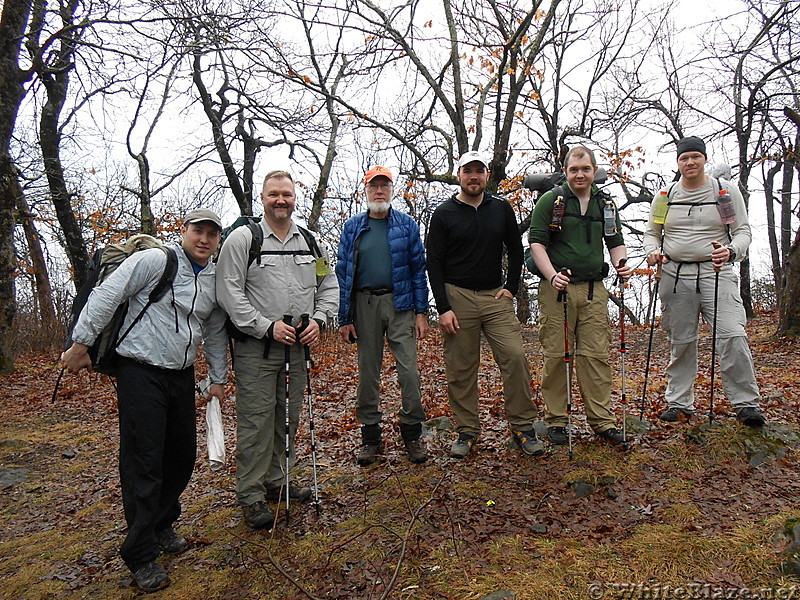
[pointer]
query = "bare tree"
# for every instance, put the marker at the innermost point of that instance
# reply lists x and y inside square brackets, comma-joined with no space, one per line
[13,22]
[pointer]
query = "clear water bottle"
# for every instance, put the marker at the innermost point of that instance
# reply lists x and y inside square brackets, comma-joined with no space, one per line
[557,216]
[660,207]
[725,207]
[609,219]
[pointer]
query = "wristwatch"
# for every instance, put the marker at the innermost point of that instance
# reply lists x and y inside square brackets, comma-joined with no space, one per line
[733,253]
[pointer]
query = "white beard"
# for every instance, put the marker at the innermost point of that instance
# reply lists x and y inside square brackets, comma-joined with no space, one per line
[380,208]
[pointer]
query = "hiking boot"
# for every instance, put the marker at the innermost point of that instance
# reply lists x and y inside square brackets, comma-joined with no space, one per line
[150,577]
[557,435]
[751,416]
[613,436]
[671,414]
[171,542]
[529,442]
[368,454]
[462,445]
[416,452]
[257,515]
[296,493]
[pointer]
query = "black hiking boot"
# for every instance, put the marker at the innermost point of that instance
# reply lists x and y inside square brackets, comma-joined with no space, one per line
[531,445]
[150,577]
[557,435]
[171,542]
[613,436]
[751,416]
[672,413]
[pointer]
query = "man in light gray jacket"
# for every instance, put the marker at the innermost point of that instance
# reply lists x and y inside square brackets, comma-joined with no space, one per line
[156,384]
[289,277]
[697,250]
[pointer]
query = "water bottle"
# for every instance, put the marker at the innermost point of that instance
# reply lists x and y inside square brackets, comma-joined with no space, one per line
[609,219]
[660,207]
[725,207]
[557,216]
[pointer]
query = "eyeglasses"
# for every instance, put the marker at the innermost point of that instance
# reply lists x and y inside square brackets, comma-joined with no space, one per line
[384,186]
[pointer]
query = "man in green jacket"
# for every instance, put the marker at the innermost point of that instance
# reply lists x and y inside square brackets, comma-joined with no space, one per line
[576,244]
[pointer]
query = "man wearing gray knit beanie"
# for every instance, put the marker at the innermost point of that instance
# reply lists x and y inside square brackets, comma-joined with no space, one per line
[704,232]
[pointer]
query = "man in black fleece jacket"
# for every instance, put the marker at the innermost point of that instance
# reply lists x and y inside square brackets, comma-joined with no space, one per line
[466,238]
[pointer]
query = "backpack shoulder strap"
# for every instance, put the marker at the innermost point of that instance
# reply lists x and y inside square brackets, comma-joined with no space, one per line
[671,189]
[167,277]
[164,283]
[311,241]
[254,254]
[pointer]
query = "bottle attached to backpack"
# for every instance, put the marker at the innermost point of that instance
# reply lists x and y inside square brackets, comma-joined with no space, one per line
[557,215]
[660,207]
[725,207]
[609,218]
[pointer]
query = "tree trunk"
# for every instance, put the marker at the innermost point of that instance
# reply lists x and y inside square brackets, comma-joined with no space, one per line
[12,28]
[44,291]
[50,140]
[523,302]
[218,135]
[148,224]
[775,254]
[9,190]
[789,323]
[56,84]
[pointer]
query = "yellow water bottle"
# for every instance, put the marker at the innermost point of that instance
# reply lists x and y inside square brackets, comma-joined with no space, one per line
[660,207]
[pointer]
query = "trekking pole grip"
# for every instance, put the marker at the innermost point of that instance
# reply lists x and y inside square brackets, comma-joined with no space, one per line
[716,245]
[305,321]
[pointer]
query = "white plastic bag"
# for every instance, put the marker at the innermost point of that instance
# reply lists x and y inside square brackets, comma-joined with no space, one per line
[215,436]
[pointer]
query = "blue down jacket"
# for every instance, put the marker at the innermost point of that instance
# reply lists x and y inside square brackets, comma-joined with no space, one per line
[409,279]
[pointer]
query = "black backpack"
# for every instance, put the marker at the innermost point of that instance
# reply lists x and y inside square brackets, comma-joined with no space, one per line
[254,225]
[104,262]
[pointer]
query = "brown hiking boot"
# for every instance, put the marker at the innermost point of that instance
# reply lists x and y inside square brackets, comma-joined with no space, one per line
[367,454]
[258,516]
[416,451]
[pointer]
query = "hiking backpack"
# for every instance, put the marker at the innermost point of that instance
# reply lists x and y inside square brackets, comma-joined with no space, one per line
[716,189]
[254,253]
[103,263]
[560,191]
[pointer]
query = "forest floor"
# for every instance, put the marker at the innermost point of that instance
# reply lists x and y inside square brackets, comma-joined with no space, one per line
[689,511]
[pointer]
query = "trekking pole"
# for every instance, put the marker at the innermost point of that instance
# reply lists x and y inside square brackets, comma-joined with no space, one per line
[562,297]
[623,349]
[287,352]
[714,337]
[304,321]
[650,342]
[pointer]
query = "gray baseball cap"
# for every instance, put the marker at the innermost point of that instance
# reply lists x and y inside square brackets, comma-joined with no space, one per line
[198,215]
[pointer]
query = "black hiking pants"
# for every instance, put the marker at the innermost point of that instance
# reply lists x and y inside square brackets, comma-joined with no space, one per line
[157,449]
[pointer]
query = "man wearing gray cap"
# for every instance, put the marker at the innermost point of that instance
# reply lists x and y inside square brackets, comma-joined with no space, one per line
[155,382]
[466,238]
[699,239]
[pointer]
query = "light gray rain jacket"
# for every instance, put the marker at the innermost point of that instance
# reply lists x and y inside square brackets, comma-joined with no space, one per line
[171,330]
